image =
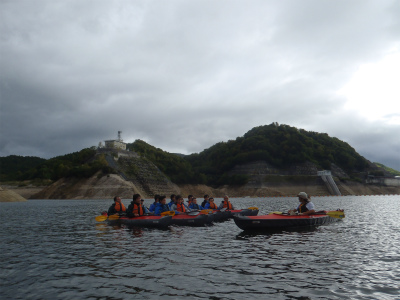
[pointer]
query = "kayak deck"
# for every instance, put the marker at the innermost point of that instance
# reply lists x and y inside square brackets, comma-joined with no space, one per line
[277,221]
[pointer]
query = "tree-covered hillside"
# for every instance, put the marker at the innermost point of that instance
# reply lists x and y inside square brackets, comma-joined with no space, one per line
[279,145]
[13,166]
[78,164]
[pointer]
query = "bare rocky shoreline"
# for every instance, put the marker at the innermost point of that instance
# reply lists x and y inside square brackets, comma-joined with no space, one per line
[107,187]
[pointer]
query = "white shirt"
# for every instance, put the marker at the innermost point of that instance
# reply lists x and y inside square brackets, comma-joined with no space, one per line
[309,205]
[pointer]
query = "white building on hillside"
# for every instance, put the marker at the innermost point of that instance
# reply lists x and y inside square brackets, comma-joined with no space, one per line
[116,144]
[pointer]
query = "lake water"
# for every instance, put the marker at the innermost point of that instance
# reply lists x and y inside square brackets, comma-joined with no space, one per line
[56,250]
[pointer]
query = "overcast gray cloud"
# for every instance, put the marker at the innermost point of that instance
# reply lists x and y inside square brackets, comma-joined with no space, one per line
[184,75]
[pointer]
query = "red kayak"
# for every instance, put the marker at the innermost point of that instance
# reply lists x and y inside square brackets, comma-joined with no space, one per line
[279,221]
[191,220]
[144,221]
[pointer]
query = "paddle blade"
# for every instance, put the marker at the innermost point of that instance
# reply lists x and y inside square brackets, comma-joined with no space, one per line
[168,213]
[113,217]
[101,218]
[276,213]
[206,211]
[336,214]
[253,208]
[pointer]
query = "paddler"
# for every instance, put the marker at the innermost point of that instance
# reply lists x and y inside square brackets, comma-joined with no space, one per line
[210,204]
[180,207]
[306,207]
[173,200]
[206,198]
[117,207]
[136,208]
[194,205]
[226,203]
[162,206]
[190,198]
[154,205]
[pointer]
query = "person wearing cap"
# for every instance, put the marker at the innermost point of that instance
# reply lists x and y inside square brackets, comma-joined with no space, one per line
[117,207]
[161,206]
[306,207]
[226,203]
[210,204]
[194,205]
[136,208]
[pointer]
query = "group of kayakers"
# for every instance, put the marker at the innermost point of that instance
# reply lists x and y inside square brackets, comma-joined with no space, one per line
[136,208]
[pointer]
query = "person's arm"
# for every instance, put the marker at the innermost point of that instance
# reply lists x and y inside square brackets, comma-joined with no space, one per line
[221,206]
[111,210]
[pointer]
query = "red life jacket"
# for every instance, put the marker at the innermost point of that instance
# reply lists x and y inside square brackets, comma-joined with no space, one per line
[138,209]
[181,207]
[228,205]
[119,207]
[213,205]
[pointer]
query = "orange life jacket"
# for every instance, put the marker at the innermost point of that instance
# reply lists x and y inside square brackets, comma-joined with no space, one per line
[138,209]
[119,207]
[213,206]
[228,205]
[181,207]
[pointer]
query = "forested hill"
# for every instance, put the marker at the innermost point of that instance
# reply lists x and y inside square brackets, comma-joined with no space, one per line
[281,146]
[278,145]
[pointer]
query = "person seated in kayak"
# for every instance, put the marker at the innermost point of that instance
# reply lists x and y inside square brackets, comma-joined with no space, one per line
[194,205]
[210,204]
[117,207]
[173,200]
[190,198]
[142,202]
[154,205]
[180,207]
[226,204]
[136,208]
[206,197]
[161,206]
[306,207]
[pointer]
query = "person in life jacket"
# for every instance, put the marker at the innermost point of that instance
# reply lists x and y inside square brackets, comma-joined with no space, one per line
[161,206]
[194,205]
[136,208]
[180,207]
[226,204]
[153,206]
[206,197]
[306,207]
[210,204]
[173,200]
[190,198]
[117,207]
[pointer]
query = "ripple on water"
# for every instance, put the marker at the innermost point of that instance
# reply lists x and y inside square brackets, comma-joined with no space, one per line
[55,250]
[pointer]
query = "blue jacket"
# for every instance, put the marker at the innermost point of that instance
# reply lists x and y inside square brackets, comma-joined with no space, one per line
[160,209]
[153,207]
[195,206]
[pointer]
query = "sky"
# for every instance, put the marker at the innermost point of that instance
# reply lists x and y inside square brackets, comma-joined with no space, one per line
[185,75]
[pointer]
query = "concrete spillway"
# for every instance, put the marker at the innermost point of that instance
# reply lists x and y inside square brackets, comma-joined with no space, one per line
[330,183]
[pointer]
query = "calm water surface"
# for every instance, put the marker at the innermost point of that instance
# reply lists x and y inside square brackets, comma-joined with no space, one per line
[56,250]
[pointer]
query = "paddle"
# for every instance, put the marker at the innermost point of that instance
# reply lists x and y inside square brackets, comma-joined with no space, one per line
[206,211]
[101,218]
[168,213]
[113,217]
[253,208]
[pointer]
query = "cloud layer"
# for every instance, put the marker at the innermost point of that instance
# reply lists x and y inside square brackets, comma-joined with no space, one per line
[183,75]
